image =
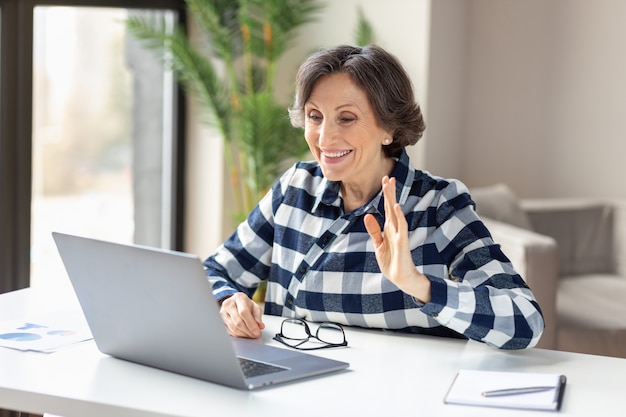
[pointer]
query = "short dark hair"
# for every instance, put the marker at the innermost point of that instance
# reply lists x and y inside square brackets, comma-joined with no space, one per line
[383,79]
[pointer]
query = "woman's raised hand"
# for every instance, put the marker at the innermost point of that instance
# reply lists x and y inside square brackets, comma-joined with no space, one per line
[392,246]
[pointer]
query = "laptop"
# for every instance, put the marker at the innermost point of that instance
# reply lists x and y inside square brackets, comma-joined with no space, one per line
[155,307]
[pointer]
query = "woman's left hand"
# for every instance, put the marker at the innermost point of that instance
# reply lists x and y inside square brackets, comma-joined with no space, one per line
[392,247]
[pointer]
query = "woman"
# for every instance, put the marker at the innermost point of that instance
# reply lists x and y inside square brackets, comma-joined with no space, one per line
[359,236]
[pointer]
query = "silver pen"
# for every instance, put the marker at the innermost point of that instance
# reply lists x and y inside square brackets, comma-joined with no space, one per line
[515,391]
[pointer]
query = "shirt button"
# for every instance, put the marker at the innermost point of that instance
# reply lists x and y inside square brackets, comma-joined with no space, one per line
[434,314]
[302,269]
[289,301]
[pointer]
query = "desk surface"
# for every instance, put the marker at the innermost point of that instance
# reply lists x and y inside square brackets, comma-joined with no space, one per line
[390,374]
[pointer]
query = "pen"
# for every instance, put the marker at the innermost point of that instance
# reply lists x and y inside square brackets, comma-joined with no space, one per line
[515,391]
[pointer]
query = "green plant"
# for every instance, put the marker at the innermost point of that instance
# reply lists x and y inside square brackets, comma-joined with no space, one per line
[364,32]
[234,79]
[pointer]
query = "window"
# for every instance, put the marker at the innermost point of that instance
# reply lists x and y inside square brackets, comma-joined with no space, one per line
[99,140]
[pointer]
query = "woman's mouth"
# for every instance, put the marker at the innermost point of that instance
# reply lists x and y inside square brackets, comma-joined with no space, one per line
[335,155]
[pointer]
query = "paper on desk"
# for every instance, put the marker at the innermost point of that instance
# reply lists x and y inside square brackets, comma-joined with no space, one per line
[44,333]
[469,385]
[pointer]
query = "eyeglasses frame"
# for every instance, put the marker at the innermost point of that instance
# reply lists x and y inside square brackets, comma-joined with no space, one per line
[280,337]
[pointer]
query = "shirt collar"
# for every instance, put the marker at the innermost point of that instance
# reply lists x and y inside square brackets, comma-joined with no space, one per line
[328,192]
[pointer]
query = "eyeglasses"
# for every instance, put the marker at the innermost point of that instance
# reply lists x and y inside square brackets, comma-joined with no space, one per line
[296,332]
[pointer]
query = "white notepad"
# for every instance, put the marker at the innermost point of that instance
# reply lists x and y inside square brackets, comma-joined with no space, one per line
[469,388]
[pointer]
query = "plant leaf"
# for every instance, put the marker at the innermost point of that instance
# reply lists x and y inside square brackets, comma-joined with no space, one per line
[194,70]
[364,33]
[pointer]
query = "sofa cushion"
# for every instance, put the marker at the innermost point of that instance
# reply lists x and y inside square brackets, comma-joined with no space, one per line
[498,202]
[592,302]
[591,315]
[584,231]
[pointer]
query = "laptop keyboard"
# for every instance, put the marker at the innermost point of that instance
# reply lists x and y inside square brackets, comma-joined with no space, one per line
[253,368]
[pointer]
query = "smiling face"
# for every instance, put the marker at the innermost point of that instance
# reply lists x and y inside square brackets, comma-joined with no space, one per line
[344,136]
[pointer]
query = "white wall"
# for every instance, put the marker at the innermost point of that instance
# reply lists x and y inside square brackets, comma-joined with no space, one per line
[546,97]
[508,83]
[589,106]
[204,180]
[445,104]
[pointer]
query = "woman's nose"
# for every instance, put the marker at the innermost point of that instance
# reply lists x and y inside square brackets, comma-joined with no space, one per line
[327,132]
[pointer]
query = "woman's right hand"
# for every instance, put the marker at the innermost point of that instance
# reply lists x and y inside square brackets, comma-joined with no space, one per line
[242,316]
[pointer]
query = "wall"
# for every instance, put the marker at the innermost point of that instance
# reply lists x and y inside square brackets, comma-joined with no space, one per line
[444,107]
[204,180]
[546,97]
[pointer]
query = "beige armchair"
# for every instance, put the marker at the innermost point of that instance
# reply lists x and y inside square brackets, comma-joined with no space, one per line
[572,253]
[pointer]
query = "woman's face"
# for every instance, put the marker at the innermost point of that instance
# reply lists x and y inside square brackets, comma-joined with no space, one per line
[343,133]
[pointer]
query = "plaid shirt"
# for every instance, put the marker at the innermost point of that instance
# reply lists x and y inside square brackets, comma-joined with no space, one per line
[320,264]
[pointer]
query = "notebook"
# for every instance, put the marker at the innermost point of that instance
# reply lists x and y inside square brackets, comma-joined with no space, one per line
[155,307]
[523,390]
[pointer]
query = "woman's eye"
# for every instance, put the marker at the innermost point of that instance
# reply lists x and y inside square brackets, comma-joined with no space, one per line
[347,119]
[314,116]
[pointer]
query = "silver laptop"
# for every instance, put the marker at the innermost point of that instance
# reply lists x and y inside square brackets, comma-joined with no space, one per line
[155,307]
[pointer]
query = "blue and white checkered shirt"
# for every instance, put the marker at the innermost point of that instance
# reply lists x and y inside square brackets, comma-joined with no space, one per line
[320,265]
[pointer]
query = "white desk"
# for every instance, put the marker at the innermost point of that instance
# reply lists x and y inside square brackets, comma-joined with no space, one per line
[390,374]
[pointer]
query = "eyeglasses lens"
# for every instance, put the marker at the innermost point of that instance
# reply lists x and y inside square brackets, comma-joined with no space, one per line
[295,330]
[330,333]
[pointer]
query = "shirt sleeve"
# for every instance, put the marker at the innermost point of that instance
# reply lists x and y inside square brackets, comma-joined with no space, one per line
[483,297]
[244,259]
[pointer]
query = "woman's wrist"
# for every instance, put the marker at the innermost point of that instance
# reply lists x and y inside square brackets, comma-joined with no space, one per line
[420,288]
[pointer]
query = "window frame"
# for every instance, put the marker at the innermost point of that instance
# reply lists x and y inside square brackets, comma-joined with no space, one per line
[16,90]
